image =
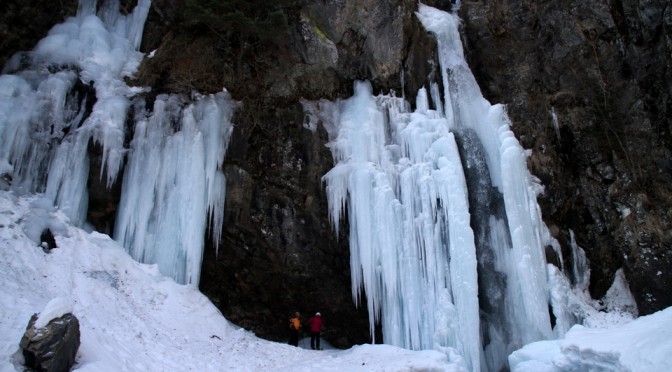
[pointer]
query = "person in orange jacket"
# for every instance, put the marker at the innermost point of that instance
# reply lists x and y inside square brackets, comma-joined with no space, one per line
[315,323]
[294,327]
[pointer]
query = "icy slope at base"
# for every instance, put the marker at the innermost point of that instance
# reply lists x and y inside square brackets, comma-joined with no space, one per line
[134,319]
[641,345]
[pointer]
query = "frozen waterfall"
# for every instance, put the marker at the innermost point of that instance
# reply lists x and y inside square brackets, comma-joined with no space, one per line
[69,93]
[173,182]
[446,236]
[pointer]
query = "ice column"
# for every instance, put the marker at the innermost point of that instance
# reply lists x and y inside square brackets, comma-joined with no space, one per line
[521,261]
[411,247]
[72,94]
[174,181]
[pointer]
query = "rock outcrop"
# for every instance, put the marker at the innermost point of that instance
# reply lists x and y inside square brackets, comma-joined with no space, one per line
[53,347]
[587,88]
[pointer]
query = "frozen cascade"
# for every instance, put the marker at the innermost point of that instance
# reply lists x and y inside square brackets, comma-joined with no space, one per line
[522,262]
[580,265]
[73,92]
[446,236]
[72,95]
[174,181]
[569,291]
[409,220]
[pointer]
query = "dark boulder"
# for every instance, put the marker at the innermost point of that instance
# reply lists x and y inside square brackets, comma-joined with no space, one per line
[53,347]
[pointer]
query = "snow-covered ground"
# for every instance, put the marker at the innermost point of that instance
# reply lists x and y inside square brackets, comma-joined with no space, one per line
[134,319]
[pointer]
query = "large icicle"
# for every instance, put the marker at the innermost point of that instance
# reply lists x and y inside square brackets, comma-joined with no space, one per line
[411,246]
[173,181]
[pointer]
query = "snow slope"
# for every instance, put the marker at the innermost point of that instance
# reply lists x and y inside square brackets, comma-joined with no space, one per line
[134,319]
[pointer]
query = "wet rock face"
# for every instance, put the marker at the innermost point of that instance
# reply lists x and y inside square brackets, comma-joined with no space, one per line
[587,89]
[328,45]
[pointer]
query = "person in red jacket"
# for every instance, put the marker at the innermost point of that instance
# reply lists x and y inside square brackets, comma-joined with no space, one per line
[315,329]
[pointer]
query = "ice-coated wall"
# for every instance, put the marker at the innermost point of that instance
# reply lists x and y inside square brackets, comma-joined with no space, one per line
[70,92]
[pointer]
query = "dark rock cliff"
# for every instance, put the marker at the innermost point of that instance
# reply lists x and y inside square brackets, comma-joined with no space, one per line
[587,88]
